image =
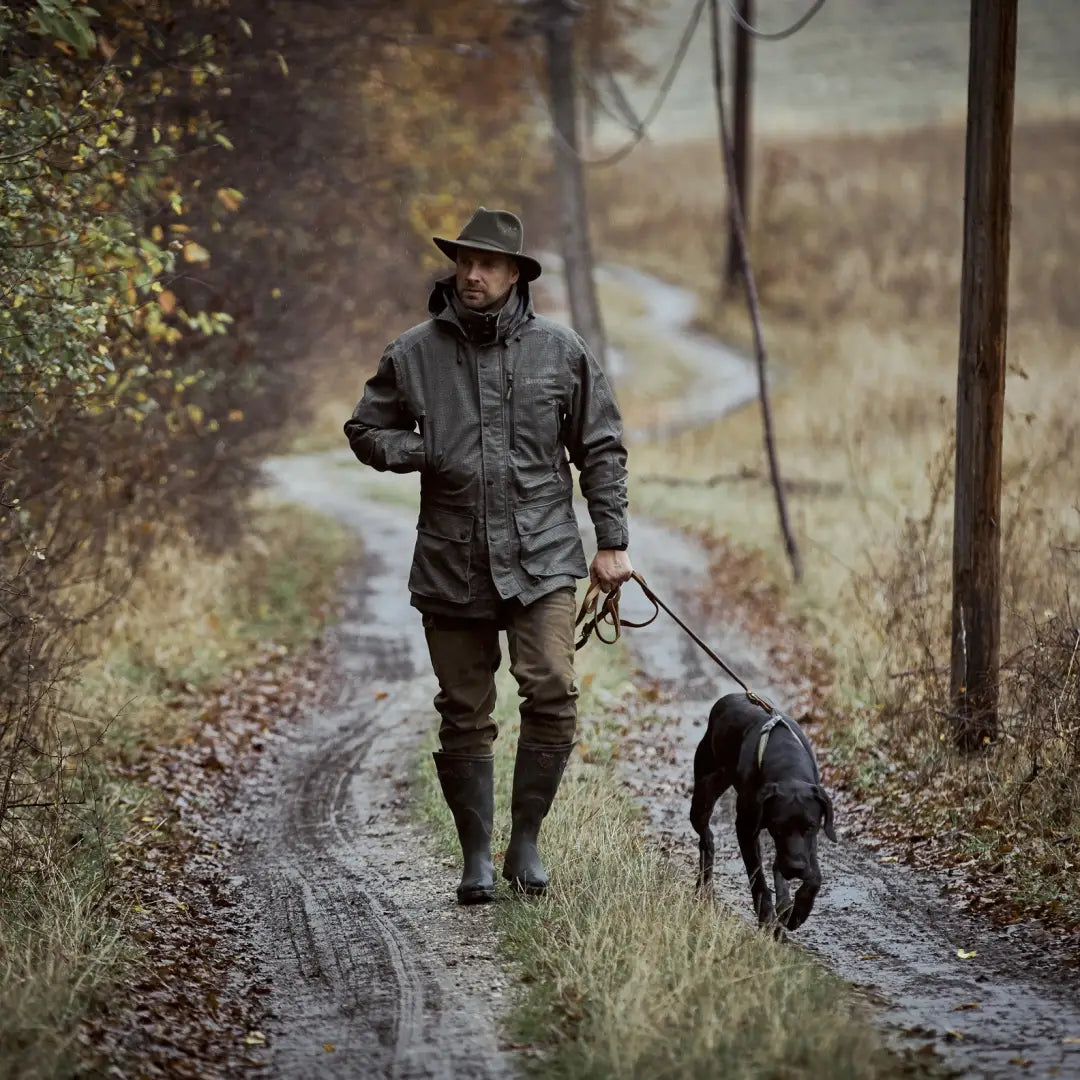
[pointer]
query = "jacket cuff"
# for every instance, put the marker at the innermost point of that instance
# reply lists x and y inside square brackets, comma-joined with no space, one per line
[612,540]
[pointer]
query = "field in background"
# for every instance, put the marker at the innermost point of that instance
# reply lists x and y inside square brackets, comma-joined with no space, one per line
[857,245]
[857,66]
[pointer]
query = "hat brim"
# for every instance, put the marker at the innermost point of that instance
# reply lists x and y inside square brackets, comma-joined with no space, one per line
[530,268]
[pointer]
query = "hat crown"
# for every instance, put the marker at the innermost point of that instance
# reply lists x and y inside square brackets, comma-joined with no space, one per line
[493,230]
[498,229]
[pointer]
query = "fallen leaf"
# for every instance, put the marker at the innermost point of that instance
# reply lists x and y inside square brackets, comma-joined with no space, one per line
[254,1038]
[964,954]
[966,1006]
[328,1047]
[380,694]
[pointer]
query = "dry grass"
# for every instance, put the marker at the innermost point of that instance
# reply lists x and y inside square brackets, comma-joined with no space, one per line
[857,242]
[627,974]
[189,619]
[192,617]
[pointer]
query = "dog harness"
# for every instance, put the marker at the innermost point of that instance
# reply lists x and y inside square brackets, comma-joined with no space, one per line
[766,731]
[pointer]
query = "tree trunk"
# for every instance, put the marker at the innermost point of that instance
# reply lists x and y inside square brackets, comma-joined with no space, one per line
[570,176]
[980,397]
[741,100]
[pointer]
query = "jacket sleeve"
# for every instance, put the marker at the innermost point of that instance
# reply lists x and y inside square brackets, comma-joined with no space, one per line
[382,431]
[595,445]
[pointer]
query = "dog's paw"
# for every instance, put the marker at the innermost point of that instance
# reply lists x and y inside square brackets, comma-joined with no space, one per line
[794,919]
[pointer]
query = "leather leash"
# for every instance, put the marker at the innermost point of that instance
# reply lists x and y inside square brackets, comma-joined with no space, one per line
[594,614]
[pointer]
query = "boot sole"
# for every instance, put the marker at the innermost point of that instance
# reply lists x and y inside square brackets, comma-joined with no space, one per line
[475,896]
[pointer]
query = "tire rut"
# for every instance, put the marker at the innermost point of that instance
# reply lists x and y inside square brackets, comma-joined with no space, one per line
[1007,1008]
[374,971]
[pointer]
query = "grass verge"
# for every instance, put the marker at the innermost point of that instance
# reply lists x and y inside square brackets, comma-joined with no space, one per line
[189,623]
[626,973]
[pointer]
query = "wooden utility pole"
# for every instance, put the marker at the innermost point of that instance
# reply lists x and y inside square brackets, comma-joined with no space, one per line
[980,396]
[746,272]
[570,177]
[741,94]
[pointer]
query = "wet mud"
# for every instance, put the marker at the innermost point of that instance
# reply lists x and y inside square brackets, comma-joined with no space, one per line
[376,972]
[373,970]
[1005,1008]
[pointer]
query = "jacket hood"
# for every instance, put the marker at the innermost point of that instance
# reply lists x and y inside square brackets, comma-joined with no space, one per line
[519,307]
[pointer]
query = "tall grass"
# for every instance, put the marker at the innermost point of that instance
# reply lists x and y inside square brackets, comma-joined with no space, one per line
[188,621]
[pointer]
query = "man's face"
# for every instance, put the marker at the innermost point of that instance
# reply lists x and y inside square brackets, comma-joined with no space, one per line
[483,277]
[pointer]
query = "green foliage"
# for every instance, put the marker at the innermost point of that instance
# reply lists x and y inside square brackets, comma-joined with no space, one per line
[97,401]
[83,276]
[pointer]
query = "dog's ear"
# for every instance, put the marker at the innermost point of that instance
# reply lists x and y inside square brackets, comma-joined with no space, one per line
[822,797]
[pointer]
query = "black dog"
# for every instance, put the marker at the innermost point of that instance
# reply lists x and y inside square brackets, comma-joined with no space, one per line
[768,759]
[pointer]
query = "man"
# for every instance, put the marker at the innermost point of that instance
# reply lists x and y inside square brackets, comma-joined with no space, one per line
[490,403]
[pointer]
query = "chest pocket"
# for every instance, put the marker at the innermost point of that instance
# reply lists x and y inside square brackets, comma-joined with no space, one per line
[537,411]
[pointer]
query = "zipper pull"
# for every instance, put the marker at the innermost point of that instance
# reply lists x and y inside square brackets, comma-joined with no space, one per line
[509,385]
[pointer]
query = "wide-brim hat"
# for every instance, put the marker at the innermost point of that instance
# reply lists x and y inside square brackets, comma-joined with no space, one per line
[493,230]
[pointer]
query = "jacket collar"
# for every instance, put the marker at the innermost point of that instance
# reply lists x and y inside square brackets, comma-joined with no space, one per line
[480,328]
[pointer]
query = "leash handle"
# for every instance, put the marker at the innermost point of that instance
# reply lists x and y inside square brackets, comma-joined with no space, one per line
[593,614]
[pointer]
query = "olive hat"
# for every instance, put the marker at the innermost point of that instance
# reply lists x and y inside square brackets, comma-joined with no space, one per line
[493,230]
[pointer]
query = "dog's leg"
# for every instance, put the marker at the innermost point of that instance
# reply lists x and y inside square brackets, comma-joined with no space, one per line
[709,785]
[783,896]
[805,896]
[701,808]
[747,826]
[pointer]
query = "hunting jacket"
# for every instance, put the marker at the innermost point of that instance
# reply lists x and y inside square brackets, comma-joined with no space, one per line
[491,410]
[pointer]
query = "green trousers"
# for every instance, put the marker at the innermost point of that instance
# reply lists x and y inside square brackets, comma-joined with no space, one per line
[465,655]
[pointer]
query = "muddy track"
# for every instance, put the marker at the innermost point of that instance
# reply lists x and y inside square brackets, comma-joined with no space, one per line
[1008,1010]
[374,970]
[365,942]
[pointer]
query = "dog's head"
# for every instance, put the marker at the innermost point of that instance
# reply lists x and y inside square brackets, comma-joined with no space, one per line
[793,811]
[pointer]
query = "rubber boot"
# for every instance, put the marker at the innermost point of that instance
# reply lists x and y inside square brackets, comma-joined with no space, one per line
[468,785]
[537,772]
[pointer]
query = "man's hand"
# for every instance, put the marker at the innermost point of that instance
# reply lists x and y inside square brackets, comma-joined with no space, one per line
[610,569]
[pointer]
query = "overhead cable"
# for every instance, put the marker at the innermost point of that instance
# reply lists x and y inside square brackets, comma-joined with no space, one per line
[777,35]
[661,96]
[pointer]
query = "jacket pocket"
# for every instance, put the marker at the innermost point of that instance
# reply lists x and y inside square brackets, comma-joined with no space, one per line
[443,555]
[550,543]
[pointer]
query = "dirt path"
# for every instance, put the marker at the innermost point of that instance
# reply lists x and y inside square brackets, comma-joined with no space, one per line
[880,926]
[377,973]
[1004,1011]
[368,952]
[374,970]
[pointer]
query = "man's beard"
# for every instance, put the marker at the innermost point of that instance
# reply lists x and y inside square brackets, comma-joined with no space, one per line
[492,305]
